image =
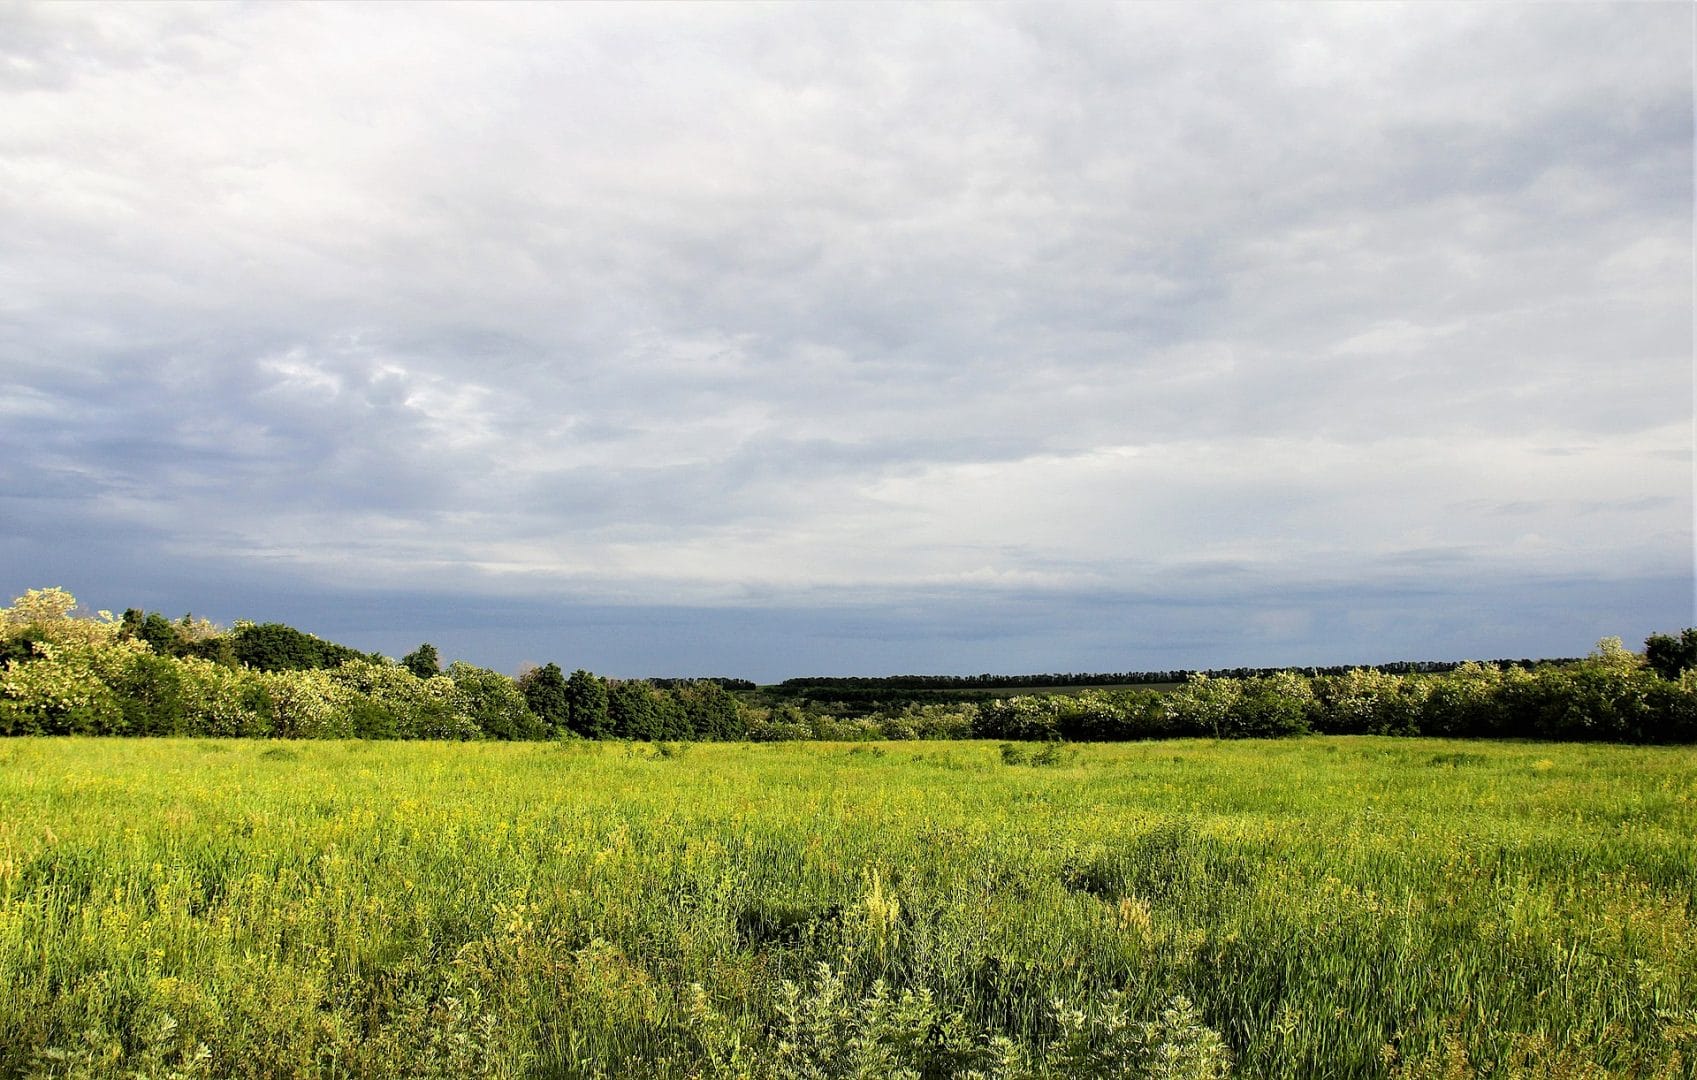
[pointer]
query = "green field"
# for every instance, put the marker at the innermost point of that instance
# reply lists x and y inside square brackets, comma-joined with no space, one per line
[1311,907]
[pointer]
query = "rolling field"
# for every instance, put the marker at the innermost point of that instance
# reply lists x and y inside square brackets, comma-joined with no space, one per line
[1300,908]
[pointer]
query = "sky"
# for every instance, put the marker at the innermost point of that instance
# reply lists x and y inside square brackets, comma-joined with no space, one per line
[777,340]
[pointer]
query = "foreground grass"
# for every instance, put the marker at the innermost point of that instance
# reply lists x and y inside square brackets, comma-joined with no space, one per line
[1332,907]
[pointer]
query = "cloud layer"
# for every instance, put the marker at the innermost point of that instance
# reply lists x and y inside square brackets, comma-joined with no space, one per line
[790,316]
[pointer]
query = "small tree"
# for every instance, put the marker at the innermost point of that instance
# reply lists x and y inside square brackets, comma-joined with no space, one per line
[423,661]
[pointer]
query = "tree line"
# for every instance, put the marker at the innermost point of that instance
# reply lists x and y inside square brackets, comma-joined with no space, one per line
[1117,678]
[144,674]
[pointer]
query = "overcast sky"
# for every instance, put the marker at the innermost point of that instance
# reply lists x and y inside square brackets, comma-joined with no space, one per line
[804,339]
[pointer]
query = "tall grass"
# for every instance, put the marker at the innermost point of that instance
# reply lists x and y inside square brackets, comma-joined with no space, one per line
[1345,907]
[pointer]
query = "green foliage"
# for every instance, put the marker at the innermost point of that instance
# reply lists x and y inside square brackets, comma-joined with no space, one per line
[276,647]
[1033,718]
[1206,705]
[493,703]
[930,722]
[150,693]
[67,688]
[709,711]
[20,644]
[1669,656]
[586,705]
[155,629]
[1271,707]
[423,661]
[1048,754]
[1052,753]
[66,673]
[544,690]
[398,704]
[187,637]
[634,711]
[779,728]
[1366,702]
[310,704]
[224,701]
[53,612]
[1103,1039]
[823,1034]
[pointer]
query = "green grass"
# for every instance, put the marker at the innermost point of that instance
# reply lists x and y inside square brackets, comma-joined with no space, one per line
[1332,906]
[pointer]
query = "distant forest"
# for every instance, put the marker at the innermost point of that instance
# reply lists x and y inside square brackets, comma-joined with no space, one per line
[64,672]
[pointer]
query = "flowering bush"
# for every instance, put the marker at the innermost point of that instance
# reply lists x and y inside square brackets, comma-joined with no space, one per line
[66,689]
[309,704]
[391,702]
[224,701]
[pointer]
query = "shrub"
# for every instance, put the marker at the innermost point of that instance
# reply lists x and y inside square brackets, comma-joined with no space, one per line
[223,701]
[1094,714]
[1464,702]
[1270,707]
[1027,717]
[1362,702]
[399,704]
[1102,1040]
[709,711]
[69,688]
[150,694]
[309,704]
[493,703]
[1204,706]
[778,731]
[952,721]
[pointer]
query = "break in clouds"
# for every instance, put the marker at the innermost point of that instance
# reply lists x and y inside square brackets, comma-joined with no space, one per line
[776,340]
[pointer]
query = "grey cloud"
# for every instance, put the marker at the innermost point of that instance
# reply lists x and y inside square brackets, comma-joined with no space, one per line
[622,300]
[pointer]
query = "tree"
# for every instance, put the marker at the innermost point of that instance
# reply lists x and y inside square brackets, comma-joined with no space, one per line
[423,661]
[632,712]
[545,692]
[1670,655]
[586,698]
[50,615]
[710,711]
[150,693]
[159,633]
[494,702]
[276,647]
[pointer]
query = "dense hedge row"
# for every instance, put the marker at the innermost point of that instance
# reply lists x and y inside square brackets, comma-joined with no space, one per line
[64,675]
[145,676]
[1613,696]
[871,684]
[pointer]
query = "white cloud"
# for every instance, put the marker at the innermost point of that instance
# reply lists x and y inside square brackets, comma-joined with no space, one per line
[752,302]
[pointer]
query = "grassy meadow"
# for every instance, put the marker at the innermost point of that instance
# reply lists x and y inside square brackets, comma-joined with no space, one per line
[1319,907]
